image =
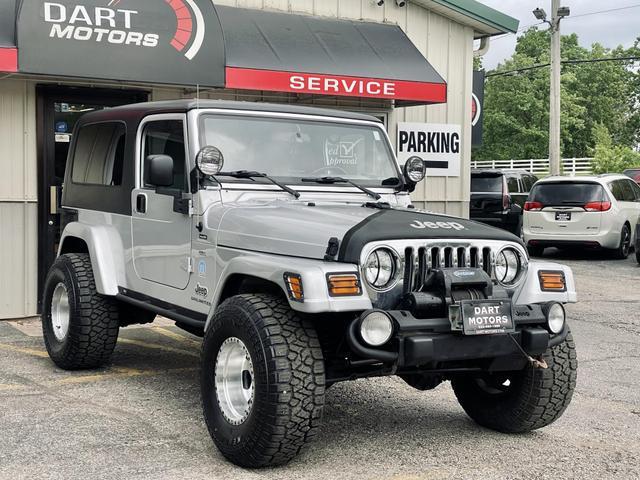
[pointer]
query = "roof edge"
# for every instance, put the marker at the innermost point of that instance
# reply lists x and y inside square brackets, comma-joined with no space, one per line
[483,14]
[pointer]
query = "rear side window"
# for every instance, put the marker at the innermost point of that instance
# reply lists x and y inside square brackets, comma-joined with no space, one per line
[617,190]
[486,183]
[99,154]
[567,193]
[512,184]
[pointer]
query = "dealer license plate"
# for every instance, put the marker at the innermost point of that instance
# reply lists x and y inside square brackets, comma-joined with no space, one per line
[486,316]
[563,216]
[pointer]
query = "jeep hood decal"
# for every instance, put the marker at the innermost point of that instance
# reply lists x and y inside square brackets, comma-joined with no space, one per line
[394,224]
[303,230]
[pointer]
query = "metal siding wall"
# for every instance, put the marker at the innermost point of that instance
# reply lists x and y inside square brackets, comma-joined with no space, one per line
[18,199]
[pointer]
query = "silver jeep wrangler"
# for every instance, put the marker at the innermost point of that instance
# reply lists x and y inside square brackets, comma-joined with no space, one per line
[285,236]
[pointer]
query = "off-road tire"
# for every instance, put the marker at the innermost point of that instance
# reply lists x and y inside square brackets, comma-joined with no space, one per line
[535,398]
[622,251]
[93,318]
[535,251]
[289,381]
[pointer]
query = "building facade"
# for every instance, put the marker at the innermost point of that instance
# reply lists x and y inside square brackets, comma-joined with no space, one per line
[38,106]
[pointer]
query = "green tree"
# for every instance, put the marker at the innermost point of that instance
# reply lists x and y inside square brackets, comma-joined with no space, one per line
[516,122]
[608,157]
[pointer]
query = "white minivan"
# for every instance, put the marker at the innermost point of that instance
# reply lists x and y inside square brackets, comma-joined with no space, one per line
[597,212]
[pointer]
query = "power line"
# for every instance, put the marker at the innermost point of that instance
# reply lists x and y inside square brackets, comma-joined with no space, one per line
[570,17]
[564,62]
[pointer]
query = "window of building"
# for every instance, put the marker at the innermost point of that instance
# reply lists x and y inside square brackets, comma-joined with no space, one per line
[166,137]
[99,154]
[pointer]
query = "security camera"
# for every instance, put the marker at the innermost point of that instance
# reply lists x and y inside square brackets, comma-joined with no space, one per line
[401,3]
[380,2]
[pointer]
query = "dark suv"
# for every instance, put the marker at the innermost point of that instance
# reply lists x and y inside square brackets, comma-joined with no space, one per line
[498,196]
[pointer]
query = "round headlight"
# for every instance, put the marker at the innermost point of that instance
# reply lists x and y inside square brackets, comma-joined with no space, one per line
[209,160]
[376,328]
[509,266]
[555,318]
[380,268]
[415,169]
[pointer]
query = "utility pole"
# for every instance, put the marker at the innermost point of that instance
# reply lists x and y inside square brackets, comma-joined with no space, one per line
[557,14]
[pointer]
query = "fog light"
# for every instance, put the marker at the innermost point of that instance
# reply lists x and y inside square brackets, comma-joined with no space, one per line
[376,328]
[555,317]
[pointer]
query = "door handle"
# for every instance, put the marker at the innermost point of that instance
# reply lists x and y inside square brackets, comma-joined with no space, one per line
[141,203]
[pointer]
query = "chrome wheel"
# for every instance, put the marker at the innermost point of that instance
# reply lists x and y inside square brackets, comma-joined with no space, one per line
[60,312]
[234,381]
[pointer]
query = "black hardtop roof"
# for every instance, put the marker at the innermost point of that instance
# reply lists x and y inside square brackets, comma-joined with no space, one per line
[136,111]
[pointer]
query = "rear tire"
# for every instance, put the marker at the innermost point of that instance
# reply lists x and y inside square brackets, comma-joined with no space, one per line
[533,398]
[274,407]
[622,252]
[80,326]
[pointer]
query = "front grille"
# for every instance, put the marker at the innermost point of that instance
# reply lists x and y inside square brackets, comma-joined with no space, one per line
[419,260]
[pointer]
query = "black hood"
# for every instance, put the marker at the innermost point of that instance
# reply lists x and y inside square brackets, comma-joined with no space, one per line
[395,224]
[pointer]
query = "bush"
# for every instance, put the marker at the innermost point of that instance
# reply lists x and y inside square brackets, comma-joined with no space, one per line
[610,158]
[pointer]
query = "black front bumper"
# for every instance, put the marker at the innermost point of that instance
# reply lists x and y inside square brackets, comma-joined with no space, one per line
[431,342]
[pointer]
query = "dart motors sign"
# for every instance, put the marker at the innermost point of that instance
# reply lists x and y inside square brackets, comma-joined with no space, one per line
[437,144]
[158,41]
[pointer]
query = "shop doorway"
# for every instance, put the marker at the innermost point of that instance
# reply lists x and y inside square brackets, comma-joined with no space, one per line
[58,109]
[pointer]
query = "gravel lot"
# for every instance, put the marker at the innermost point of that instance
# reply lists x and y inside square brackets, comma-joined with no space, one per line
[141,417]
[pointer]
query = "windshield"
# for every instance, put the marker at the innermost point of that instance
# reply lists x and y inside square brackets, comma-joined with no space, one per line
[567,193]
[292,149]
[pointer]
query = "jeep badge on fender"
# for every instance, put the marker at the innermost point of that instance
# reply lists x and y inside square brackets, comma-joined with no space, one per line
[309,271]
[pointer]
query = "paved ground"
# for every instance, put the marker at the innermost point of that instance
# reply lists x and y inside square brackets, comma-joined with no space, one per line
[141,417]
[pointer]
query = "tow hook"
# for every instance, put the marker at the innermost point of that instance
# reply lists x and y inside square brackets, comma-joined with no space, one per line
[535,362]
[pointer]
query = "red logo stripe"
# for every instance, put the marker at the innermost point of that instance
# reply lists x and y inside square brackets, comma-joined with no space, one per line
[9,60]
[322,84]
[185,24]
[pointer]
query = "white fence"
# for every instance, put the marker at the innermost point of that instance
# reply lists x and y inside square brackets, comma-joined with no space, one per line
[571,166]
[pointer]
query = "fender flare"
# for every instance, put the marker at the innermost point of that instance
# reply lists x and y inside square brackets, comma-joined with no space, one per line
[313,272]
[106,253]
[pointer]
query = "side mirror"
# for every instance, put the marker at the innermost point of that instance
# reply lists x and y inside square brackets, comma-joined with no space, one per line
[209,160]
[414,171]
[159,170]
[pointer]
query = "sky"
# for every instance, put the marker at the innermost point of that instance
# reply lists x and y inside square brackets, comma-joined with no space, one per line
[620,27]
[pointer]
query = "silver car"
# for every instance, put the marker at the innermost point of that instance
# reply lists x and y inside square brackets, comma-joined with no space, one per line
[285,236]
[596,212]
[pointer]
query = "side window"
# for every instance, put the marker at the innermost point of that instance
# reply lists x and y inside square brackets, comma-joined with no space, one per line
[636,190]
[512,184]
[99,154]
[528,182]
[616,190]
[628,195]
[166,137]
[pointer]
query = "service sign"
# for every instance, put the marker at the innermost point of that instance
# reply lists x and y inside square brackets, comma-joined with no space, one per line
[157,41]
[437,144]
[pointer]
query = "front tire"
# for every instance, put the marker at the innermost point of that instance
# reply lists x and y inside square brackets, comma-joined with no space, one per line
[262,381]
[515,402]
[80,326]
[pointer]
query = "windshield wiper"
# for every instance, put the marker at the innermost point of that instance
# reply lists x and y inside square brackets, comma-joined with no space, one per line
[252,174]
[330,180]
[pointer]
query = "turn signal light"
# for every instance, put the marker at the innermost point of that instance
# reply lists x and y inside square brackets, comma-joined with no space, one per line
[293,281]
[552,281]
[533,206]
[597,206]
[343,284]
